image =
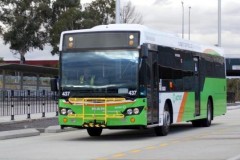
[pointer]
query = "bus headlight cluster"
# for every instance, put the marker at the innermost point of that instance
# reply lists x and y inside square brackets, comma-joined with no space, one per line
[66,111]
[133,111]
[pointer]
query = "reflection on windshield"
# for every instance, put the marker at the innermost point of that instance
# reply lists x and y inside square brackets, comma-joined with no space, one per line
[100,69]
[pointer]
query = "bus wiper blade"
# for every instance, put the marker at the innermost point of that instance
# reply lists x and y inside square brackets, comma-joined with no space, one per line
[72,86]
[90,86]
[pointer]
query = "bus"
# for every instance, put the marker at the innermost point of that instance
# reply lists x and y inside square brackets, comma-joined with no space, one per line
[128,76]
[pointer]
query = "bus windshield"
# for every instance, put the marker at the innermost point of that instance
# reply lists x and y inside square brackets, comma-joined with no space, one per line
[100,69]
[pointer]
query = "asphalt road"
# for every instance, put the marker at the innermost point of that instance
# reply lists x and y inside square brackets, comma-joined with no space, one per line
[220,141]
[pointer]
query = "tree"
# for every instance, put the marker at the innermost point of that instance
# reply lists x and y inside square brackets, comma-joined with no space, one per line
[233,86]
[1,30]
[130,15]
[99,12]
[66,15]
[30,24]
[24,24]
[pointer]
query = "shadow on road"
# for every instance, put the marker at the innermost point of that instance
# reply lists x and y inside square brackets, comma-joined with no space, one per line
[136,134]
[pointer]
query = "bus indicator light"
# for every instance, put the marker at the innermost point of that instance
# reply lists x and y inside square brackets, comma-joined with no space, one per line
[65,120]
[132,120]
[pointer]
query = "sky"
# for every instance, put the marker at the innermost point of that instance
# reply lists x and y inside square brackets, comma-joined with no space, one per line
[166,16]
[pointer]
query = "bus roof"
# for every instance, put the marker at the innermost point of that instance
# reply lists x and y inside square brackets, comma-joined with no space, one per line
[152,36]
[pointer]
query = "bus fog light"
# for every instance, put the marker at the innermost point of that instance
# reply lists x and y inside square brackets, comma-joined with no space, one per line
[129,111]
[136,110]
[63,111]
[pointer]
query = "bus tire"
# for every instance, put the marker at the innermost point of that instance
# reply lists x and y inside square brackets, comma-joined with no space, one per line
[164,129]
[208,121]
[94,131]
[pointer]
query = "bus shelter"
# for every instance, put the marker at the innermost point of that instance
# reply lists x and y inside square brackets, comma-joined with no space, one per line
[25,77]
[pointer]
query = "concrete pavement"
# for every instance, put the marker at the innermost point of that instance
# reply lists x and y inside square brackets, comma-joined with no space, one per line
[20,118]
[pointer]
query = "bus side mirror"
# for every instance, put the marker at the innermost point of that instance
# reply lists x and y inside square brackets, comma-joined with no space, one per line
[144,51]
[54,84]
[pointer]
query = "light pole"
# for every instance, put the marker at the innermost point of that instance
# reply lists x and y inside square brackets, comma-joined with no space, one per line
[117,11]
[219,23]
[182,19]
[189,27]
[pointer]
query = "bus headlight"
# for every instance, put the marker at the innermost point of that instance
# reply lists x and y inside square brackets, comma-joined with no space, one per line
[63,111]
[129,111]
[136,110]
[70,111]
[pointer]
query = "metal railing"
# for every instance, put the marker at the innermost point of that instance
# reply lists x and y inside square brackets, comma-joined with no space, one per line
[20,102]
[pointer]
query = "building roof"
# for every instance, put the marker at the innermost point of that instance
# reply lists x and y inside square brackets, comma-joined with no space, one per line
[46,63]
[29,68]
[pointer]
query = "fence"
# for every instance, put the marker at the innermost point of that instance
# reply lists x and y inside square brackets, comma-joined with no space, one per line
[231,97]
[20,102]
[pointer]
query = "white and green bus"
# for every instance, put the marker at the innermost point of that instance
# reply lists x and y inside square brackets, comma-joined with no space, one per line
[129,76]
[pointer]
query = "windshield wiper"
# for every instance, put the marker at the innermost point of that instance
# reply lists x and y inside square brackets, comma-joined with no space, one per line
[95,87]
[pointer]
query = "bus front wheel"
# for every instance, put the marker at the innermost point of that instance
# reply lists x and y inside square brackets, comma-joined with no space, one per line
[94,131]
[164,129]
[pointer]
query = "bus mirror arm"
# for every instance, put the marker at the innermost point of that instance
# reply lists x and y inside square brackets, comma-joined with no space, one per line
[54,84]
[144,51]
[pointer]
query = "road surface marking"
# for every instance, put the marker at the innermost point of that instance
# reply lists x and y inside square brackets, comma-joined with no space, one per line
[151,147]
[119,155]
[163,144]
[135,151]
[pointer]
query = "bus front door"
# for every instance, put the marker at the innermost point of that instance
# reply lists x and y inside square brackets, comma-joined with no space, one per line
[153,89]
[197,85]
